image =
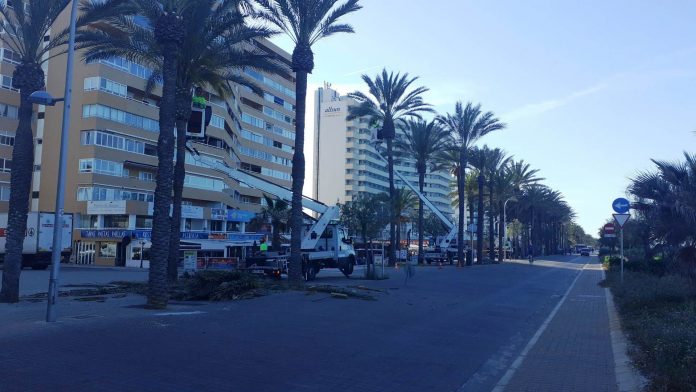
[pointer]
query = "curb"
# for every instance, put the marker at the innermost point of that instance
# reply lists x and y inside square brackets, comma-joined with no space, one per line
[628,378]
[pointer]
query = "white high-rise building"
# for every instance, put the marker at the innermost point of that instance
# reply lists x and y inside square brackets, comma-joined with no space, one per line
[346,163]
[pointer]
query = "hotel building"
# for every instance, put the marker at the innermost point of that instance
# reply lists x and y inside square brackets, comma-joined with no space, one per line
[112,155]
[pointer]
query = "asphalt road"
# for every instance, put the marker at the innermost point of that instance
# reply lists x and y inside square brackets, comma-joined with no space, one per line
[451,329]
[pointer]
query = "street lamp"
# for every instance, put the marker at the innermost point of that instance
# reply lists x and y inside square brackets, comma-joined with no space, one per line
[511,198]
[44,98]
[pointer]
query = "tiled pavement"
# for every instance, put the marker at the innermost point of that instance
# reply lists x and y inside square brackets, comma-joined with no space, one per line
[574,353]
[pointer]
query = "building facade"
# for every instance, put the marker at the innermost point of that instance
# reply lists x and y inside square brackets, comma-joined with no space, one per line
[112,155]
[346,162]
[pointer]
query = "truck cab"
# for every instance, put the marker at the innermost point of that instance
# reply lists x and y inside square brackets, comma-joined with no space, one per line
[333,249]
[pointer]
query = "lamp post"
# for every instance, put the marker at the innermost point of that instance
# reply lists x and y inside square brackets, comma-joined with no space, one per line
[43,98]
[511,198]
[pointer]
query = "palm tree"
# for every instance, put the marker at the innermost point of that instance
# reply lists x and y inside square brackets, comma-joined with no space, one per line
[421,142]
[478,161]
[23,31]
[214,53]
[276,211]
[495,164]
[155,42]
[467,125]
[389,105]
[305,22]
[507,184]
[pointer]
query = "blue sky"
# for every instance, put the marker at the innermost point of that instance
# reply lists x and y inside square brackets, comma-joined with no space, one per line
[590,90]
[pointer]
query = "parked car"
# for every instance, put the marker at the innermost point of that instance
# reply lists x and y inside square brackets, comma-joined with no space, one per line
[585,252]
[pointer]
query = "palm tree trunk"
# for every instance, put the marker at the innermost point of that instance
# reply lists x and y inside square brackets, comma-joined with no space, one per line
[158,295]
[491,223]
[421,185]
[472,210]
[183,113]
[392,221]
[462,217]
[298,177]
[481,219]
[501,232]
[178,188]
[20,181]
[275,241]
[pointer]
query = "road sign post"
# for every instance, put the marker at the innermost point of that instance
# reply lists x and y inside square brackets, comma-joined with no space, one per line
[621,220]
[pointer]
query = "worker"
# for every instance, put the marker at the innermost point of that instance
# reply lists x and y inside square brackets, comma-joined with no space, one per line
[199,100]
[264,246]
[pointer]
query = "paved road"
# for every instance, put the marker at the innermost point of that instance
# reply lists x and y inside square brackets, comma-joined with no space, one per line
[455,329]
[32,281]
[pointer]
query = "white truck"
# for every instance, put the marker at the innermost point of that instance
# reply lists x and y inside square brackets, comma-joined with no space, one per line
[38,240]
[325,244]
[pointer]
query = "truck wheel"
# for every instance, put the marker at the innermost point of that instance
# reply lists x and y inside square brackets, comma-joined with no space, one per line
[310,272]
[348,269]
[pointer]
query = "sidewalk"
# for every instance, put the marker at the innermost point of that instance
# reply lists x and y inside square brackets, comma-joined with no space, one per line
[572,351]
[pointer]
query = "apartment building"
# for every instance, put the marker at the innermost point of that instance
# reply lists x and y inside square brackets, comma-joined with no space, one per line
[345,160]
[112,156]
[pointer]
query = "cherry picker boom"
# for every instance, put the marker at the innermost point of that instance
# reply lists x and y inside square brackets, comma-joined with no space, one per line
[325,244]
[446,246]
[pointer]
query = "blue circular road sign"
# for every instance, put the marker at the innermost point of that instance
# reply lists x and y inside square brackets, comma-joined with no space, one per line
[621,205]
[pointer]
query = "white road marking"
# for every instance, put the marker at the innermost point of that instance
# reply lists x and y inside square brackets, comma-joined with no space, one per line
[179,313]
[500,386]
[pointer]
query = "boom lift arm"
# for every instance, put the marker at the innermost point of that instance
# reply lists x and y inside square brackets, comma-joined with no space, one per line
[327,213]
[453,229]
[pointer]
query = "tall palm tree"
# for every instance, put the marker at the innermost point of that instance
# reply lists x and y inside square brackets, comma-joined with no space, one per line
[214,53]
[277,212]
[508,183]
[478,161]
[495,164]
[422,141]
[23,32]
[467,125]
[305,22]
[390,103]
[156,41]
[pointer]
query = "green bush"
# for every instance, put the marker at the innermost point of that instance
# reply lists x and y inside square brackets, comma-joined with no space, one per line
[216,285]
[659,315]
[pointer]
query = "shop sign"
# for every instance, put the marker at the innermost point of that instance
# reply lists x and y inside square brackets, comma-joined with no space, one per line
[240,216]
[218,214]
[106,207]
[110,234]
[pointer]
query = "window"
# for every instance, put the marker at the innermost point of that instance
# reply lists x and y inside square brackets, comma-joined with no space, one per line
[7,83]
[106,85]
[143,222]
[217,121]
[107,249]
[101,166]
[88,222]
[109,113]
[279,101]
[277,115]
[208,183]
[99,193]
[115,221]
[117,142]
[8,111]
[147,176]
[128,66]
[5,165]
[11,56]
[255,121]
[5,193]
[6,138]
